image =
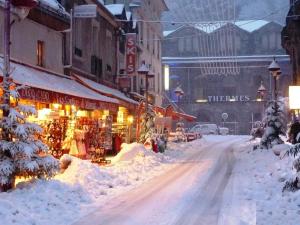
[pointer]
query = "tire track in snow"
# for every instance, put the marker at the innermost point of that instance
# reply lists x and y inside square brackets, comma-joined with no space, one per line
[172,198]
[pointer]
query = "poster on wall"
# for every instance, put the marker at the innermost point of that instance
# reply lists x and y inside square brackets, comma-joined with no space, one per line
[130,53]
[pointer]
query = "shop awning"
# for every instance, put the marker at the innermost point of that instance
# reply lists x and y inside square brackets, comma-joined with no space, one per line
[110,92]
[171,112]
[49,87]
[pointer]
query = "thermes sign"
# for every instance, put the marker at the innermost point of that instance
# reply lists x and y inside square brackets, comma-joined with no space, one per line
[239,98]
[130,53]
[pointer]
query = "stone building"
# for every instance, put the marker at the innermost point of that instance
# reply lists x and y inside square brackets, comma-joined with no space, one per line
[44,48]
[149,37]
[291,38]
[97,58]
[221,67]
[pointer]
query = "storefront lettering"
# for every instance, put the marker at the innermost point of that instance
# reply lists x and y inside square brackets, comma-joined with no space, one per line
[130,53]
[35,94]
[222,98]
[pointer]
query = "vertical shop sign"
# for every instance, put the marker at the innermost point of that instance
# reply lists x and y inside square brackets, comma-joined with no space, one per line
[130,53]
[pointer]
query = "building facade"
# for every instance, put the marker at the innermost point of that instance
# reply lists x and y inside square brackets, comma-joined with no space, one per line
[291,38]
[220,74]
[149,36]
[45,47]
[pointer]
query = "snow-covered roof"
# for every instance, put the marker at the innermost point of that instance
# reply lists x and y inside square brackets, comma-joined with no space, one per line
[54,5]
[211,27]
[115,9]
[34,77]
[106,90]
[247,25]
[251,25]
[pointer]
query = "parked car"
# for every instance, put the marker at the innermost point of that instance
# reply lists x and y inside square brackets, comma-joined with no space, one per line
[205,129]
[223,130]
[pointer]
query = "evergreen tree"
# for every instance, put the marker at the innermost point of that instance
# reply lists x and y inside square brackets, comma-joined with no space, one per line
[147,126]
[294,184]
[275,124]
[21,151]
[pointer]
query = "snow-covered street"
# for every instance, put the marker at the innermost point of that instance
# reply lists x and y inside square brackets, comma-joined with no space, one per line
[217,180]
[189,193]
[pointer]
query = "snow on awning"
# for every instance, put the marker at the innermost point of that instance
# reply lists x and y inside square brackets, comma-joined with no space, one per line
[115,9]
[48,87]
[102,89]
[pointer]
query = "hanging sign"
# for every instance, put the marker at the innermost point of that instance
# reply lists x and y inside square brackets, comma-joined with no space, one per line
[85,11]
[130,53]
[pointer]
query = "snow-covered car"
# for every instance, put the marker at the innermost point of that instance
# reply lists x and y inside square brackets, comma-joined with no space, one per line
[205,129]
[223,130]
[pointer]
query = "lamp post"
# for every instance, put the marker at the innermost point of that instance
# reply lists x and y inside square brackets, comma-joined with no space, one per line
[261,91]
[144,70]
[275,71]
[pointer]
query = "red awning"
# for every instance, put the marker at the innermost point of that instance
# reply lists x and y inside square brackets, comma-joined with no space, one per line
[170,112]
[49,87]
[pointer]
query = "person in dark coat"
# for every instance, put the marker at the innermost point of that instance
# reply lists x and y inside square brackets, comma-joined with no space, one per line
[294,131]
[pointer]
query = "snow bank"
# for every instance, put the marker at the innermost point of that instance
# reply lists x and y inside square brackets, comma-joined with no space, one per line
[256,189]
[130,151]
[83,187]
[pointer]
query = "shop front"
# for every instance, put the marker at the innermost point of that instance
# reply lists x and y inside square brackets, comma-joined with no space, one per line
[124,121]
[75,119]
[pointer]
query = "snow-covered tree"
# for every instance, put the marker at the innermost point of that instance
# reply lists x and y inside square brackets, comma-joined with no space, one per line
[294,184]
[147,126]
[22,153]
[275,124]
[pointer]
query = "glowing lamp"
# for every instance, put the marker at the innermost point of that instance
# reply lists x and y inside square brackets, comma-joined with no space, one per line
[130,119]
[294,97]
[167,77]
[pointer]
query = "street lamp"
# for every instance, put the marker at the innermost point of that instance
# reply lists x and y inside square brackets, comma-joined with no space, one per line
[144,70]
[261,91]
[275,71]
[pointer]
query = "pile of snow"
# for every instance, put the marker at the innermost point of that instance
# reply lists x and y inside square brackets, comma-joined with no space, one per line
[84,186]
[254,193]
[130,151]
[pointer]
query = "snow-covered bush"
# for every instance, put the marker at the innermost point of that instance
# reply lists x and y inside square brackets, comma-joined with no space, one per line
[275,124]
[294,184]
[22,153]
[147,126]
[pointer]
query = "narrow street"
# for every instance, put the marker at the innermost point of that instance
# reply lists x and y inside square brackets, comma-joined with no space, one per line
[190,193]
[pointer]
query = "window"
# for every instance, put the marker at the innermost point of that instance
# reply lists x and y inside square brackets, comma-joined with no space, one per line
[272,41]
[78,37]
[181,45]
[141,32]
[40,51]
[95,38]
[188,44]
[195,44]
[109,49]
[265,42]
